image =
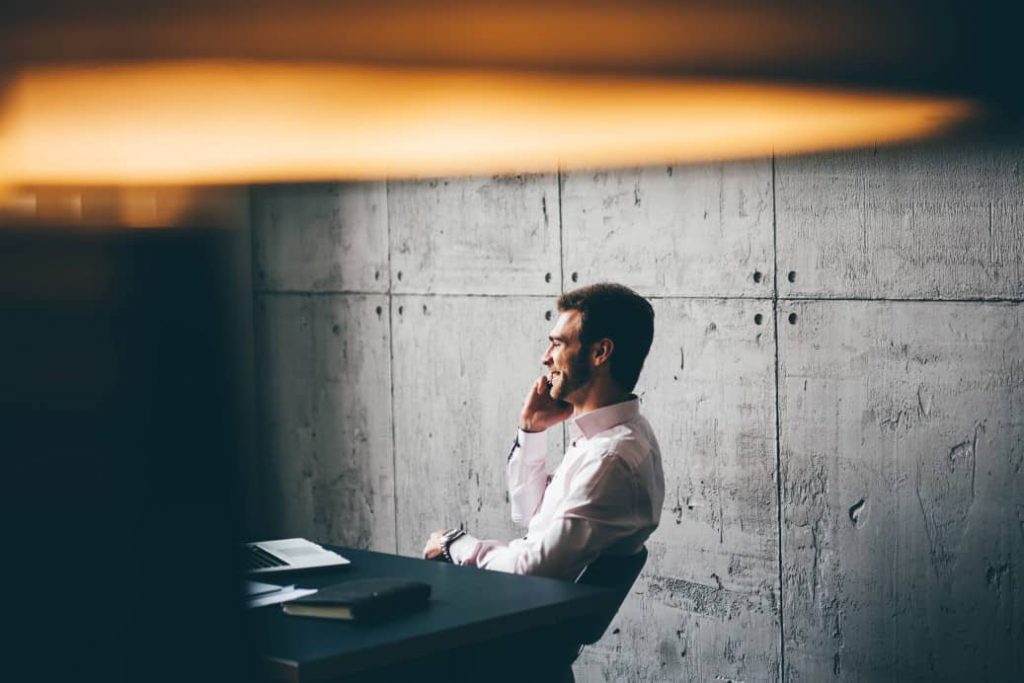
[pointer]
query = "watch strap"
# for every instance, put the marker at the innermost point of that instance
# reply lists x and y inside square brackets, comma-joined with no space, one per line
[450,537]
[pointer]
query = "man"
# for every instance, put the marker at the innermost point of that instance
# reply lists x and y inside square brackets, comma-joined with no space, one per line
[605,497]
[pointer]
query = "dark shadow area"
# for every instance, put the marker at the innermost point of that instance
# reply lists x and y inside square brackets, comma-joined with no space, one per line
[118,445]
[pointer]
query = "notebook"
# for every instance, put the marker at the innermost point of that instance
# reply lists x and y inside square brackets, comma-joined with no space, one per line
[288,554]
[362,599]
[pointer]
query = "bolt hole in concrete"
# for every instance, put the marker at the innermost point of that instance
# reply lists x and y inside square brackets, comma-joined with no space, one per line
[791,276]
[399,275]
[379,310]
[575,277]
[547,315]
[401,309]
[758,319]
[859,512]
[547,277]
[757,276]
[792,318]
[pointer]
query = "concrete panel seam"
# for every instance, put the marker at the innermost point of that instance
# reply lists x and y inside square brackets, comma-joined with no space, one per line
[561,238]
[466,295]
[694,297]
[561,265]
[544,297]
[548,297]
[318,292]
[966,300]
[778,428]
[391,362]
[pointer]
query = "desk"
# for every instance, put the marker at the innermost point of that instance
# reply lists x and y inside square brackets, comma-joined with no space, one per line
[471,611]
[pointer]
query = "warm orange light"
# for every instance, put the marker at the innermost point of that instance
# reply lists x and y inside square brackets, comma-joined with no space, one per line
[215,122]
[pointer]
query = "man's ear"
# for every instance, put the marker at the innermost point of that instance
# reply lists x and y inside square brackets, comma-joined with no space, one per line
[601,351]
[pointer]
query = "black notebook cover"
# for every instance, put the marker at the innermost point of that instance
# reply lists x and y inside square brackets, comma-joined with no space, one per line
[362,599]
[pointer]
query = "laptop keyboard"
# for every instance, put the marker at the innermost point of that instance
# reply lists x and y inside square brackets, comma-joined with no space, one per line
[257,558]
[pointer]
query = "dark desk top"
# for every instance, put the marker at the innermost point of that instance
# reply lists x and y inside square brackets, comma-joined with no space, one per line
[467,605]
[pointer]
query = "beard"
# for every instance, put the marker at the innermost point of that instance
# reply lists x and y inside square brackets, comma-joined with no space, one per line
[576,375]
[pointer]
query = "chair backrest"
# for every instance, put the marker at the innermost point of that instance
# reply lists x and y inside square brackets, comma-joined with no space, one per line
[617,574]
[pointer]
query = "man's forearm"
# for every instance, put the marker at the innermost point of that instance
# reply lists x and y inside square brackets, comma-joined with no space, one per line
[561,551]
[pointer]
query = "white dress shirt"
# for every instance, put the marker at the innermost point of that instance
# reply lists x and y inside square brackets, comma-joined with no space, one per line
[604,498]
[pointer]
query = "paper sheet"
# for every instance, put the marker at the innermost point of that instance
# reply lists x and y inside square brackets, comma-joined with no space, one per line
[281,594]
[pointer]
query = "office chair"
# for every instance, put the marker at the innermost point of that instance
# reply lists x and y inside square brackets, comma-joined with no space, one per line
[617,574]
[551,649]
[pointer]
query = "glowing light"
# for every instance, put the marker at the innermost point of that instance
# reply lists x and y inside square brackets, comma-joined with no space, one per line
[216,122]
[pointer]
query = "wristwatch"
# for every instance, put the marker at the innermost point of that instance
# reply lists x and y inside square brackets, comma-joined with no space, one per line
[447,539]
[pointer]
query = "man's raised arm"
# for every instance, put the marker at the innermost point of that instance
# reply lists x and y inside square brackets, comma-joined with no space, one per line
[527,470]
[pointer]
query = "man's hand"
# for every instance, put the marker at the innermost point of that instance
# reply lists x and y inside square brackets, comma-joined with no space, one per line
[540,411]
[435,545]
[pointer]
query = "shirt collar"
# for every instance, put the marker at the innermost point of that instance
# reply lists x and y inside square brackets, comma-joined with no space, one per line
[596,421]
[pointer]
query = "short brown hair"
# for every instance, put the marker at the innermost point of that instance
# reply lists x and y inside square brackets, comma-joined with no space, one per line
[616,312]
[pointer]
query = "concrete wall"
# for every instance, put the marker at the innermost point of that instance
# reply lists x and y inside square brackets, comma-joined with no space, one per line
[837,381]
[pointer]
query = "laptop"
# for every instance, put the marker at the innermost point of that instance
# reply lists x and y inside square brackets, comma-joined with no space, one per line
[288,554]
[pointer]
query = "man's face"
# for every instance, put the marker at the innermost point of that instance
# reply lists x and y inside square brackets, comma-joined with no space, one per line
[566,359]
